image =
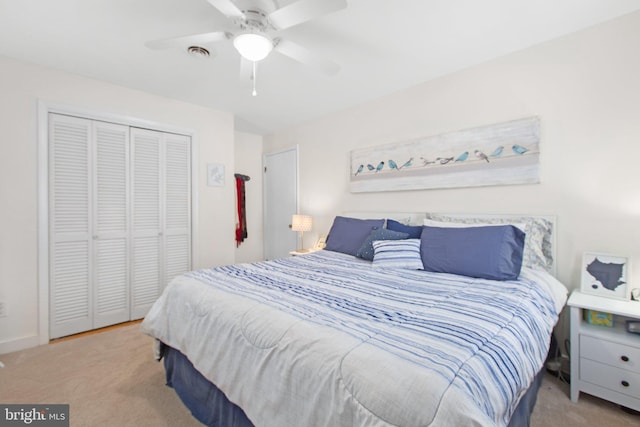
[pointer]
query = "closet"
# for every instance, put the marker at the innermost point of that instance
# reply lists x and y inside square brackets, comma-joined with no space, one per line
[119,220]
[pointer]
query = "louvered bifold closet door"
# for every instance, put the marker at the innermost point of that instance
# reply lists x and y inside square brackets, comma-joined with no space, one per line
[177,184]
[111,239]
[70,239]
[146,220]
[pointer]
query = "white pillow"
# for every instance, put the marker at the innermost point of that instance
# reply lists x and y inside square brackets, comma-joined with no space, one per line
[398,254]
[447,224]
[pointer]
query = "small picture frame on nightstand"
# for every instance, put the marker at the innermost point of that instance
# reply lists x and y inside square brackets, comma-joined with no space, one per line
[605,275]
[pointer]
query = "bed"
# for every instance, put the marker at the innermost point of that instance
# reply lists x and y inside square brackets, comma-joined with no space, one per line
[334,339]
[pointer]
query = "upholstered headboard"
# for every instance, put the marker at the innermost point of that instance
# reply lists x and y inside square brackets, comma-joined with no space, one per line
[540,228]
[407,218]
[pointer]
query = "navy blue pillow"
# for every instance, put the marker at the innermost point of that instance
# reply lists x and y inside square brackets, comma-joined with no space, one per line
[366,250]
[414,231]
[492,252]
[347,234]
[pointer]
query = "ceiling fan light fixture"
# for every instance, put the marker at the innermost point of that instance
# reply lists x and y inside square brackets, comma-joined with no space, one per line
[253,47]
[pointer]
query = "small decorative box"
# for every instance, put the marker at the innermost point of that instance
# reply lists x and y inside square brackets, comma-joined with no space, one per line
[599,318]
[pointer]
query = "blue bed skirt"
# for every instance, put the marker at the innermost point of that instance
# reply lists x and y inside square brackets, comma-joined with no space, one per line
[211,407]
[206,402]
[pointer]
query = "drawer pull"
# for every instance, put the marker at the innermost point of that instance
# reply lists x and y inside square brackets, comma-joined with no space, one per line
[625,383]
[624,358]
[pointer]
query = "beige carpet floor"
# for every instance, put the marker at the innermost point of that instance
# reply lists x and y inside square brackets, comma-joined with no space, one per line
[111,379]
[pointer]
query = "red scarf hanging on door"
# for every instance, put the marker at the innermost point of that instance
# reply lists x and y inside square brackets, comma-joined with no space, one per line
[241,224]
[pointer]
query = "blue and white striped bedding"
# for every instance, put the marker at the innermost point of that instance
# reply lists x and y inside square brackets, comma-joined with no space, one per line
[326,340]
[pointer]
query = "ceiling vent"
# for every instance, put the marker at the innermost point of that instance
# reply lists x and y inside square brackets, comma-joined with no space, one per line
[198,52]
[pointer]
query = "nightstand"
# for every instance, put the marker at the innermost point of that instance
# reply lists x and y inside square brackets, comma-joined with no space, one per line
[605,361]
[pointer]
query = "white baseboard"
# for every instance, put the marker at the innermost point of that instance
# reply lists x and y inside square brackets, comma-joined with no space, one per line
[19,344]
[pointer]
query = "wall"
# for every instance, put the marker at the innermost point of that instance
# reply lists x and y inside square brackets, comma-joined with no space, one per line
[585,89]
[248,155]
[21,86]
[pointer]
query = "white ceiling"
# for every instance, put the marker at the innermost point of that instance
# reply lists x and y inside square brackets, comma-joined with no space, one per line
[382,46]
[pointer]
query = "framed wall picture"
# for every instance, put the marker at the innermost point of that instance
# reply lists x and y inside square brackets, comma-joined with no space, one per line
[504,153]
[215,175]
[605,275]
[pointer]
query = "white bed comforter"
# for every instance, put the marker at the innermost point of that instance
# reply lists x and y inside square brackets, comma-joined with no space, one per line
[326,340]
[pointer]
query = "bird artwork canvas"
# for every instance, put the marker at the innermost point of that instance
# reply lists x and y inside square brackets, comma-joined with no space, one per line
[504,153]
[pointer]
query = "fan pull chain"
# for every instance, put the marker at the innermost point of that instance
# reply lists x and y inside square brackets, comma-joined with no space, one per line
[254,93]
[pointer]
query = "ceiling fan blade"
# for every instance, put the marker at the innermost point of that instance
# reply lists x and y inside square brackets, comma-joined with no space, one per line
[303,55]
[195,39]
[227,8]
[304,10]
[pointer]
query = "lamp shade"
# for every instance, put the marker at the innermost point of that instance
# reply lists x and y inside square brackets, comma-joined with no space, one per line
[253,47]
[301,223]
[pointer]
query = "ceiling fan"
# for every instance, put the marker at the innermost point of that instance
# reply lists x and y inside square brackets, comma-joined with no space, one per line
[255,35]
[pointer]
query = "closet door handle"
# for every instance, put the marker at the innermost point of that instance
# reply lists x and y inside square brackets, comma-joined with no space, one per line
[625,383]
[624,358]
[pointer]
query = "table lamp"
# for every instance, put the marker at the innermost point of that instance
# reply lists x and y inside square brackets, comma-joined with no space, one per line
[301,223]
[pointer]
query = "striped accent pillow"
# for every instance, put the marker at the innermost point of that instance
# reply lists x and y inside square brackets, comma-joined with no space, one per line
[403,254]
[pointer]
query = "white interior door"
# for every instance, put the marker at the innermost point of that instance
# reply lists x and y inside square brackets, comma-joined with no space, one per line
[89,269]
[119,220]
[146,220]
[70,238]
[160,214]
[111,225]
[177,206]
[280,202]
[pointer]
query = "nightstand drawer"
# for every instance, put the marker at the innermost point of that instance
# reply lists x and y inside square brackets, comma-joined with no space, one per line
[610,353]
[615,379]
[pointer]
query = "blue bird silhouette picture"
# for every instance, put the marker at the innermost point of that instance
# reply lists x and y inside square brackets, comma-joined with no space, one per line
[407,163]
[479,154]
[519,149]
[497,152]
[379,167]
[360,168]
[462,157]
[392,165]
[370,167]
[426,162]
[444,160]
